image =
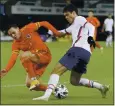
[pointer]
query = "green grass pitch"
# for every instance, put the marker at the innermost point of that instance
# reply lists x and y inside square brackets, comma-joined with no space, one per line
[100,68]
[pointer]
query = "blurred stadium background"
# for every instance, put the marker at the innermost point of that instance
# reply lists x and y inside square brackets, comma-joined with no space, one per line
[23,12]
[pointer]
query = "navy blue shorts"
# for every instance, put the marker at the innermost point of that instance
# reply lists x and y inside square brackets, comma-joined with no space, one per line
[76,59]
[108,33]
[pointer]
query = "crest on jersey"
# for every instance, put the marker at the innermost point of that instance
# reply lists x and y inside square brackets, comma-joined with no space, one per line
[28,36]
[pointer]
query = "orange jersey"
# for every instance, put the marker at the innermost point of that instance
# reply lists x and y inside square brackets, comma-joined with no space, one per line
[29,41]
[94,21]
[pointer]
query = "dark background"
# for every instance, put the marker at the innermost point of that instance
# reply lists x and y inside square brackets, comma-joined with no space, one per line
[58,21]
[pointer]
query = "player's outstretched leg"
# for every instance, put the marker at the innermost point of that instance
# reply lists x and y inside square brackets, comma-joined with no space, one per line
[44,98]
[28,65]
[38,87]
[107,41]
[110,40]
[92,84]
[53,81]
[76,80]
[33,85]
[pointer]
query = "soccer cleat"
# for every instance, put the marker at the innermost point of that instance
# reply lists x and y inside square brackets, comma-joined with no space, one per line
[104,90]
[41,98]
[34,83]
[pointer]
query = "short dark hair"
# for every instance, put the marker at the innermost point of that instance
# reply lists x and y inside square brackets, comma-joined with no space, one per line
[12,25]
[70,8]
[91,11]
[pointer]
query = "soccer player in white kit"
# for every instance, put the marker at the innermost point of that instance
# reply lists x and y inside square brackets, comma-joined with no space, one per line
[77,57]
[108,27]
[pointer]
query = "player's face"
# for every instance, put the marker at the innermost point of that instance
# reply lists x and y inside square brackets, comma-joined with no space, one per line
[90,14]
[69,16]
[109,16]
[14,33]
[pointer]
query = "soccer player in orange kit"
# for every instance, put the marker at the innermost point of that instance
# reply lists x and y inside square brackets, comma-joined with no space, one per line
[35,56]
[94,21]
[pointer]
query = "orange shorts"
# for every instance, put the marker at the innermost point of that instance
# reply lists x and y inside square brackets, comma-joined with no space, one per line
[40,68]
[45,59]
[43,55]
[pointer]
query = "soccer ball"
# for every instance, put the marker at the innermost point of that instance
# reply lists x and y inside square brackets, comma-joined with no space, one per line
[61,92]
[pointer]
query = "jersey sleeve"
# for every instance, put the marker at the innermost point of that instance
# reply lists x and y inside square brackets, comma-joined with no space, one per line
[13,58]
[35,26]
[67,30]
[48,26]
[81,21]
[64,31]
[32,27]
[91,29]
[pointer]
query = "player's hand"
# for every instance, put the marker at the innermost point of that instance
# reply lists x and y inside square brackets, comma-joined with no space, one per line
[91,41]
[3,73]
[61,34]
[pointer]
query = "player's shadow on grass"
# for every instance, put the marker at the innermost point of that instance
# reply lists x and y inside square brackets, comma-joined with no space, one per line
[80,98]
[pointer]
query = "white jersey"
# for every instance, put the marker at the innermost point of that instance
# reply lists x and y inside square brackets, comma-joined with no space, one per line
[80,29]
[108,24]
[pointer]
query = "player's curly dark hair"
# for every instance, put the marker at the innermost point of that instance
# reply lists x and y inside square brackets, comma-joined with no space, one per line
[70,8]
[12,25]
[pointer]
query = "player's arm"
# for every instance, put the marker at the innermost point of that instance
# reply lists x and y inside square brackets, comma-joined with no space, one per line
[67,30]
[97,22]
[103,27]
[51,28]
[91,30]
[10,64]
[12,60]
[37,25]
[63,32]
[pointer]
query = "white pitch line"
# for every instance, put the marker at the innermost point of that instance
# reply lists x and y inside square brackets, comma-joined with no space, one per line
[22,85]
[15,85]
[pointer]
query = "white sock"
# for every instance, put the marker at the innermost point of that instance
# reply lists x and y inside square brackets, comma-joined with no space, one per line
[110,40]
[110,44]
[107,41]
[33,78]
[97,85]
[54,78]
[90,83]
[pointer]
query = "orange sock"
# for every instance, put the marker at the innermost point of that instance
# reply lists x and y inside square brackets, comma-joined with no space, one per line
[28,65]
[42,87]
[98,45]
